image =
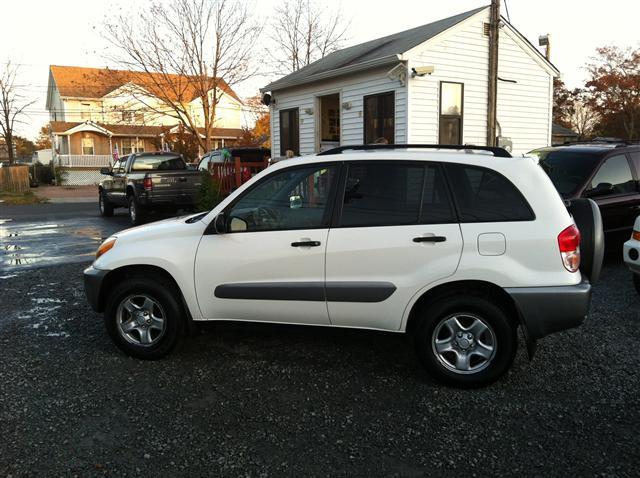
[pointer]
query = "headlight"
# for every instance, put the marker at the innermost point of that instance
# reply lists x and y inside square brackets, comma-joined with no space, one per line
[105,247]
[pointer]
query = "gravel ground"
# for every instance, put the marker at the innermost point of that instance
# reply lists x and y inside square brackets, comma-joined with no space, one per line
[259,400]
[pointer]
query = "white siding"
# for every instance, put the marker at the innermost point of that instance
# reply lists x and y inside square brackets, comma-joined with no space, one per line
[524,107]
[352,89]
[461,55]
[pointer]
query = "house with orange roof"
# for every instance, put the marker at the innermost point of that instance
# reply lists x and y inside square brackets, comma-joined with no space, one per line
[96,112]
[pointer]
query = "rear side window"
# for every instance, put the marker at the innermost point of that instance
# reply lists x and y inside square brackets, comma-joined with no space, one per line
[382,194]
[483,195]
[436,206]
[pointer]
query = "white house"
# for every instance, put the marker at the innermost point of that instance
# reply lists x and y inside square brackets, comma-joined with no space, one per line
[424,85]
[94,110]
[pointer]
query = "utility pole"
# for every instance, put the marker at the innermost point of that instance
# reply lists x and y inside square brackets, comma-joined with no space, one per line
[492,96]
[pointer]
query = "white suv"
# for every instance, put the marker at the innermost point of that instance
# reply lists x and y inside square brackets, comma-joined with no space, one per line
[457,247]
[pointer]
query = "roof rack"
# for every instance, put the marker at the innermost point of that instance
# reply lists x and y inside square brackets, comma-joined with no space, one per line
[498,152]
[619,143]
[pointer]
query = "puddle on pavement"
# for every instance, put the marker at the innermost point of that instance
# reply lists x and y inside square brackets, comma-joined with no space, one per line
[33,244]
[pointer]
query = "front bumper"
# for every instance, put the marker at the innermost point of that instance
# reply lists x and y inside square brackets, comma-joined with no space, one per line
[545,310]
[631,255]
[93,280]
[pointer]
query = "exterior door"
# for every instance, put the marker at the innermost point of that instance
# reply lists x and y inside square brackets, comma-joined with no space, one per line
[396,234]
[116,185]
[269,266]
[615,190]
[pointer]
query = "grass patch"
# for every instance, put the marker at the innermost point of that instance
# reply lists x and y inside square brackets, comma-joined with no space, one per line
[21,198]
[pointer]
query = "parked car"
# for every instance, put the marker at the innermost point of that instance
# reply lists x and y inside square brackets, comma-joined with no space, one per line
[145,182]
[631,254]
[451,248]
[246,155]
[605,171]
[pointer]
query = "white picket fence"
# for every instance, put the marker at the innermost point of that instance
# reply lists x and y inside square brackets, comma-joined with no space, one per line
[85,160]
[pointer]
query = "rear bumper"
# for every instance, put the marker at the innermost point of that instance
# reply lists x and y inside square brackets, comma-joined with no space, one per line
[180,200]
[545,310]
[93,280]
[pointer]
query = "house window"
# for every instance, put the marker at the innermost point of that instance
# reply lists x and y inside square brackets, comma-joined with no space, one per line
[127,146]
[289,132]
[87,146]
[379,118]
[451,107]
[138,117]
[85,111]
[140,146]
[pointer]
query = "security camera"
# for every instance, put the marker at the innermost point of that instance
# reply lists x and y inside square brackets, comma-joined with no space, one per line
[422,70]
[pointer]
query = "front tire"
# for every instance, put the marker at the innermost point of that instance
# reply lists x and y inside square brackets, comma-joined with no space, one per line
[466,341]
[106,208]
[143,318]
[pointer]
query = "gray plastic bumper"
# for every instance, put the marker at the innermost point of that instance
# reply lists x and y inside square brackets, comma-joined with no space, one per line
[545,310]
[93,279]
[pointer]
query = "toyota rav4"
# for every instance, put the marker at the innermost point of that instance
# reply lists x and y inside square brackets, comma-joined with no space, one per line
[456,246]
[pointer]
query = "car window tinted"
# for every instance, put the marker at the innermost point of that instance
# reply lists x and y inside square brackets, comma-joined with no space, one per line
[291,199]
[158,163]
[118,167]
[204,164]
[635,157]
[568,170]
[483,195]
[382,194]
[615,171]
[436,206]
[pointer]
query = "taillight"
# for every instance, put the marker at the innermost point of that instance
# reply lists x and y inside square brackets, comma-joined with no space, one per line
[148,184]
[569,243]
[636,235]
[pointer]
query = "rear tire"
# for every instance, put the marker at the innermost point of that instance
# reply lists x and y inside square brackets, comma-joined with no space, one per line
[143,318]
[136,212]
[106,208]
[465,341]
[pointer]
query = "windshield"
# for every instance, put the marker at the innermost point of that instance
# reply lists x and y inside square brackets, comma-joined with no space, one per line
[568,170]
[158,163]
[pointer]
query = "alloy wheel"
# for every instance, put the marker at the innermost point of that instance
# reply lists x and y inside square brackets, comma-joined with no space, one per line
[141,320]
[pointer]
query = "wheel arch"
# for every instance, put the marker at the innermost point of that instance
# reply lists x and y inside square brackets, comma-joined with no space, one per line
[478,287]
[142,270]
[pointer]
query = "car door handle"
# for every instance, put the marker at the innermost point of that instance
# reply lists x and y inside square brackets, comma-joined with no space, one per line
[182,180]
[305,244]
[429,239]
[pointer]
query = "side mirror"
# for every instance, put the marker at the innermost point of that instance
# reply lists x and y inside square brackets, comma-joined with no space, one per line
[237,225]
[295,202]
[600,190]
[220,223]
[106,171]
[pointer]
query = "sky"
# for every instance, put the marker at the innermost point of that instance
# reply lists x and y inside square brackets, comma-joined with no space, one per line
[67,32]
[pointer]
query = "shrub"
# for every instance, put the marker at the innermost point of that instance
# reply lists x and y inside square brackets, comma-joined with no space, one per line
[209,196]
[61,174]
[43,173]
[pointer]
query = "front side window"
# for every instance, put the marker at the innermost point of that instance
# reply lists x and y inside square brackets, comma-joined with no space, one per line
[290,199]
[451,104]
[483,195]
[614,176]
[289,132]
[379,118]
[87,146]
[382,194]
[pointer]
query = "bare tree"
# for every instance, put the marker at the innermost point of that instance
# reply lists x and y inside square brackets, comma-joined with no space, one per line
[584,118]
[183,56]
[12,105]
[304,31]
